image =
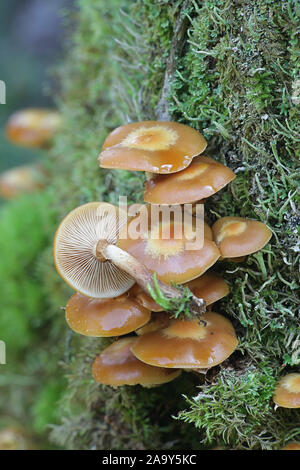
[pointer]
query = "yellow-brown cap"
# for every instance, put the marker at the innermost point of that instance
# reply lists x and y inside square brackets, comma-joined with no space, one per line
[144,299]
[287,392]
[188,344]
[165,247]
[33,127]
[201,179]
[20,180]
[209,287]
[237,236]
[105,317]
[152,146]
[292,446]
[117,366]
[159,320]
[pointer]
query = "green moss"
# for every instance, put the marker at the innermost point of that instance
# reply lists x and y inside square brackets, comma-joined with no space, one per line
[234,79]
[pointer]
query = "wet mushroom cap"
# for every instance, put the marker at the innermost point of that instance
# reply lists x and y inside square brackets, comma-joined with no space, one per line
[152,146]
[144,299]
[201,179]
[117,366]
[74,251]
[287,392]
[169,253]
[105,317]
[159,320]
[20,180]
[32,127]
[188,344]
[237,236]
[210,287]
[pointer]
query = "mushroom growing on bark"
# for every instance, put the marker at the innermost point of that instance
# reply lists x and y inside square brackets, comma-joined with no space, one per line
[151,146]
[105,317]
[33,127]
[187,344]
[117,366]
[237,236]
[210,287]
[201,179]
[287,392]
[87,258]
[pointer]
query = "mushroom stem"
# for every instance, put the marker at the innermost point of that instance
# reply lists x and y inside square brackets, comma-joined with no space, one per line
[142,275]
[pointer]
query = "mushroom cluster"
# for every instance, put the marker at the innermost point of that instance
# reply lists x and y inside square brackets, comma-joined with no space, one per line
[122,276]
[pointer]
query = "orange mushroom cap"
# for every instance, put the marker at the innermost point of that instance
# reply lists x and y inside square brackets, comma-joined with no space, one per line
[209,287]
[168,254]
[33,127]
[237,236]
[117,366]
[105,317]
[159,320]
[287,392]
[152,146]
[144,299]
[292,446]
[203,178]
[188,344]
[14,438]
[74,251]
[20,180]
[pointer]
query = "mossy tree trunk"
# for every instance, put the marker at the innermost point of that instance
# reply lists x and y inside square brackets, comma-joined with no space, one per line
[229,69]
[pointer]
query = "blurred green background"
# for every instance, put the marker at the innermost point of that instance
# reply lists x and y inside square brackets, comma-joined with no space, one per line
[31,36]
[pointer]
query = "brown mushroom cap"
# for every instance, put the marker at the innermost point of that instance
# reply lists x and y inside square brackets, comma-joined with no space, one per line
[203,178]
[152,146]
[237,236]
[292,446]
[105,317]
[32,127]
[169,257]
[117,366]
[287,392]
[159,320]
[209,287]
[20,180]
[144,299]
[74,251]
[14,438]
[188,344]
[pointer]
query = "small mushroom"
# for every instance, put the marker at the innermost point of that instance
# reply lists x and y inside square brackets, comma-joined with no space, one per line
[168,256]
[151,146]
[210,287]
[33,127]
[87,258]
[105,317]
[292,446]
[201,179]
[21,180]
[237,236]
[117,366]
[187,344]
[287,391]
